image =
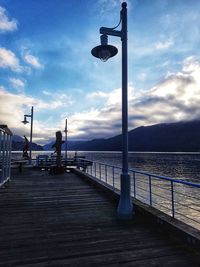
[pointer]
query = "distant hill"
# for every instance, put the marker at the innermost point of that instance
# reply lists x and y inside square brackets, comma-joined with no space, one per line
[18,144]
[70,145]
[166,137]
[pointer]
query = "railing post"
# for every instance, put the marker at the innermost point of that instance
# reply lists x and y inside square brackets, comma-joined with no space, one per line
[3,157]
[150,195]
[100,170]
[106,174]
[134,186]
[95,170]
[10,152]
[5,153]
[172,195]
[113,176]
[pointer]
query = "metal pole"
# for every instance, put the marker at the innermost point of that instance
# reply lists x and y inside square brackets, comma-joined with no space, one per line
[125,207]
[66,140]
[31,136]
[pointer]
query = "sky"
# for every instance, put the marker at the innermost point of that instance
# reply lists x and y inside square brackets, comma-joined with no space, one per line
[46,62]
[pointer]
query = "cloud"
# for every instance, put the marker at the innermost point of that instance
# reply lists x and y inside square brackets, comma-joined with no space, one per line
[17,83]
[164,45]
[6,24]
[14,106]
[32,60]
[9,60]
[113,7]
[113,97]
[46,93]
[175,98]
[142,76]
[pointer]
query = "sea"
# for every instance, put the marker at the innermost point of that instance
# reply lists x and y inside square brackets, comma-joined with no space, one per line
[178,165]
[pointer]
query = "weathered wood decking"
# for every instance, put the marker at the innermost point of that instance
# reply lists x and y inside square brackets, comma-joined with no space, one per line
[63,221]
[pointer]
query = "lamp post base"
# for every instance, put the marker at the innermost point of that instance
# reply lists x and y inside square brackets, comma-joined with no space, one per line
[125,209]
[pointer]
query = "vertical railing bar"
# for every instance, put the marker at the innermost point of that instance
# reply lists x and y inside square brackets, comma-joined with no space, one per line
[172,195]
[134,187]
[113,176]
[3,158]
[95,170]
[106,173]
[1,154]
[100,170]
[6,161]
[150,194]
[10,151]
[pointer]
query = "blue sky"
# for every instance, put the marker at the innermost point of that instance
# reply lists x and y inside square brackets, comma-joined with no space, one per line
[45,61]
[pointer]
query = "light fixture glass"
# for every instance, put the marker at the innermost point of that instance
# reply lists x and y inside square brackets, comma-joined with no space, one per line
[104,55]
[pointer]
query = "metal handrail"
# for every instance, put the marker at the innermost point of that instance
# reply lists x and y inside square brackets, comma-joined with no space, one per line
[165,195]
[5,153]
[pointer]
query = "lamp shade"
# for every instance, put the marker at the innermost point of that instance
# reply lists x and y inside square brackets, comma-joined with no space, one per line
[104,52]
[25,121]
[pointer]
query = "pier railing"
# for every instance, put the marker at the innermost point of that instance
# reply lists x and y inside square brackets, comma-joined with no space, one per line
[177,198]
[5,153]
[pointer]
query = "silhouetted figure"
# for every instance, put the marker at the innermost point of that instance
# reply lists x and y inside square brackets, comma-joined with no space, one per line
[58,147]
[25,148]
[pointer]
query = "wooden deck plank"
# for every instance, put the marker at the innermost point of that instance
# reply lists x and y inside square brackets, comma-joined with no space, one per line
[63,221]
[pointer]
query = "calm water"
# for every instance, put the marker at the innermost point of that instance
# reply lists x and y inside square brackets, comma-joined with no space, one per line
[177,165]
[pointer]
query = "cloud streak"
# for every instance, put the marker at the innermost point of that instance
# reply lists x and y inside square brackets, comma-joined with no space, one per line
[175,98]
[17,83]
[9,60]
[32,60]
[6,24]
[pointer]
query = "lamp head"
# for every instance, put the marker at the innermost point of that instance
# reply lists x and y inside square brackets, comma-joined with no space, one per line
[25,120]
[104,51]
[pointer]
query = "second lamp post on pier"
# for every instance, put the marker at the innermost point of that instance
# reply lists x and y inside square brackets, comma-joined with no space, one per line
[25,121]
[104,52]
[65,131]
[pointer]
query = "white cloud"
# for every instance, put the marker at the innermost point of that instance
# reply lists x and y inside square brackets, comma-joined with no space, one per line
[98,94]
[46,93]
[9,60]
[33,61]
[164,45]
[6,24]
[17,83]
[175,98]
[113,97]
[14,106]
[142,76]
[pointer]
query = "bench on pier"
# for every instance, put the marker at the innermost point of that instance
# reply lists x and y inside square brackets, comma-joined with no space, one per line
[46,162]
[83,164]
[18,164]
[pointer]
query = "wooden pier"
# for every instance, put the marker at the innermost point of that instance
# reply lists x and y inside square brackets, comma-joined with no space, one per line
[64,221]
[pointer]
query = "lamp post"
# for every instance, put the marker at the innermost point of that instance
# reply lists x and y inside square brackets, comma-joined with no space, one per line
[25,121]
[104,52]
[65,131]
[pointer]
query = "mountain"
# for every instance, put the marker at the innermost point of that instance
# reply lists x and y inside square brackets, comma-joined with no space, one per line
[166,137]
[18,144]
[70,145]
[17,138]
